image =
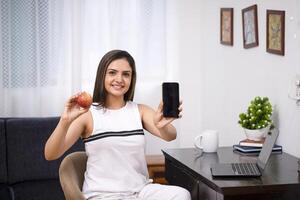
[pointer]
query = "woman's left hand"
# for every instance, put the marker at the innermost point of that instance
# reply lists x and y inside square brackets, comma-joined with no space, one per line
[160,121]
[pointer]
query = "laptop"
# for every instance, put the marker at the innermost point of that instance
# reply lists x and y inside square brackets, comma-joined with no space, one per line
[247,169]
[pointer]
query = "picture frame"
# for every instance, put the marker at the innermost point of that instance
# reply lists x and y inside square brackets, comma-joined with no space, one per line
[226,26]
[250,26]
[275,31]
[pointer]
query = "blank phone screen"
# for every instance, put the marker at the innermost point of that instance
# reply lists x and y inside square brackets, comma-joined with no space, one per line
[170,95]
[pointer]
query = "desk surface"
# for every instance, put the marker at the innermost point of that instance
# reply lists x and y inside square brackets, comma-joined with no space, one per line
[280,173]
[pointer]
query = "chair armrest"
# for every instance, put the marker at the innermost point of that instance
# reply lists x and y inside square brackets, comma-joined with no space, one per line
[71,175]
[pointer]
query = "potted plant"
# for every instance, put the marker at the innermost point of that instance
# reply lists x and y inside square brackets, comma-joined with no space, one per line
[257,120]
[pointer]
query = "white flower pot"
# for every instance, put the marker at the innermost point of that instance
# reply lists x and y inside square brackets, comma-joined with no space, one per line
[256,134]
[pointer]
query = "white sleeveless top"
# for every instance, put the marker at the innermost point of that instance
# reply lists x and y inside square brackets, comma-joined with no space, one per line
[116,152]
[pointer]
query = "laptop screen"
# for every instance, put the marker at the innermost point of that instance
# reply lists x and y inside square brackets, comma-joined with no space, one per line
[267,148]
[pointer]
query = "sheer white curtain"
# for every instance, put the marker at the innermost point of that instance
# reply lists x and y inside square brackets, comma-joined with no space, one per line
[50,49]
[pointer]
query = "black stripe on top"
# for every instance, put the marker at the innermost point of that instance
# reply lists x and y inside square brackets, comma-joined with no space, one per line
[113,134]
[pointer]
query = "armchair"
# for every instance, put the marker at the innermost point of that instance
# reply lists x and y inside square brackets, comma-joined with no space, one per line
[73,166]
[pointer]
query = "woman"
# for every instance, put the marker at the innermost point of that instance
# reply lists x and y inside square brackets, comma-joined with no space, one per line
[112,130]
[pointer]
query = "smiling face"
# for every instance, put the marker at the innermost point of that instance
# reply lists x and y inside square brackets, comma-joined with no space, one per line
[118,78]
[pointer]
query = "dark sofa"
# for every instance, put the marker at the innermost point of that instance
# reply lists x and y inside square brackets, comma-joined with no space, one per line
[24,172]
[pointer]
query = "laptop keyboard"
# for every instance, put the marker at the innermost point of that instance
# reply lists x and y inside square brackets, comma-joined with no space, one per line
[245,168]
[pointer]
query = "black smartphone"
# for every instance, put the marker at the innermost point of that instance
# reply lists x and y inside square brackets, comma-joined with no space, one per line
[170,93]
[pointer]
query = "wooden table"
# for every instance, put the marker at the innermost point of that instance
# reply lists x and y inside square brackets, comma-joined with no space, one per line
[191,170]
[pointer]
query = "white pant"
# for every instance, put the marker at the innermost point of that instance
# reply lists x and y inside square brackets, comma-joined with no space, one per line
[151,191]
[163,192]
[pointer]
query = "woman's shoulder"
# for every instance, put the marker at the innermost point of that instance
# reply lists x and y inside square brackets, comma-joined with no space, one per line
[143,107]
[133,104]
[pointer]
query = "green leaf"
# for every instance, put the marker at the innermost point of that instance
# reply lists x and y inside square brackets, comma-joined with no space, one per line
[258,114]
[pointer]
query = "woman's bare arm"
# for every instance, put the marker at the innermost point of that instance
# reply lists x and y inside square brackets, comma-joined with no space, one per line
[156,124]
[71,126]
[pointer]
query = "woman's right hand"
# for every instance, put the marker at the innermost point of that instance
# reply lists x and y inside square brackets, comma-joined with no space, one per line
[66,132]
[72,110]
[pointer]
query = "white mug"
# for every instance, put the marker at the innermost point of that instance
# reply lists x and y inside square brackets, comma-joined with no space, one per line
[208,141]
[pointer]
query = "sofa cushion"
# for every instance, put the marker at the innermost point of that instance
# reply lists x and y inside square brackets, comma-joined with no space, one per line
[37,190]
[3,169]
[6,192]
[26,138]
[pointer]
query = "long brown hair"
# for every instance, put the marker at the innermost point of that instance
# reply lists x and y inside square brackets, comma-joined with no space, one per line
[100,94]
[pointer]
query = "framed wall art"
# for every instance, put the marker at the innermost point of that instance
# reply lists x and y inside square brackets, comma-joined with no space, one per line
[226,26]
[275,31]
[250,27]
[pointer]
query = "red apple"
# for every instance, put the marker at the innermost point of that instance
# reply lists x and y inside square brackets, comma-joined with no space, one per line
[84,100]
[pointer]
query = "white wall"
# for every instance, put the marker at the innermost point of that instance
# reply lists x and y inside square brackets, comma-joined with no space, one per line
[190,51]
[182,20]
[219,81]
